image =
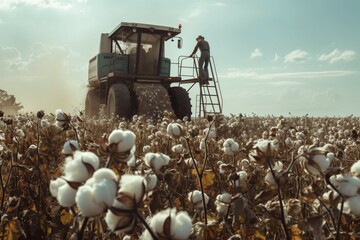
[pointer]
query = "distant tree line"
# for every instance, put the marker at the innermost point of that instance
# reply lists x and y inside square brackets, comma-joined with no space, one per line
[8,104]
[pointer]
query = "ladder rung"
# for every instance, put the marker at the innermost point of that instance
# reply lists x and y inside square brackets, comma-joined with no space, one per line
[211,104]
[210,95]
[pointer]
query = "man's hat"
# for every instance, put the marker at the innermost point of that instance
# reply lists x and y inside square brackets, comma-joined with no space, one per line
[200,37]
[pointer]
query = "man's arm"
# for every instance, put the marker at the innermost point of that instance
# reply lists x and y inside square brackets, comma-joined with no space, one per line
[195,49]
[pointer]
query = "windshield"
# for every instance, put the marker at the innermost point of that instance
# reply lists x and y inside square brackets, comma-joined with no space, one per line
[150,46]
[149,54]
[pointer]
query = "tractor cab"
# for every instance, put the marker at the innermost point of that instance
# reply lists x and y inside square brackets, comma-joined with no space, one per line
[144,43]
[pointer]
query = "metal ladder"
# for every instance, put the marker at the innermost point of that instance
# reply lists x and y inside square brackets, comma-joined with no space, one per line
[209,100]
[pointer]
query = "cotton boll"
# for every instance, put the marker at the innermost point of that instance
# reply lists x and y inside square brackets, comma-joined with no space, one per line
[131,162]
[355,169]
[124,140]
[177,148]
[63,192]
[133,185]
[19,133]
[202,145]
[55,184]
[354,204]
[119,224]
[210,133]
[264,148]
[346,185]
[174,130]
[196,198]
[70,147]
[104,173]
[278,166]
[85,201]
[245,163]
[105,192]
[151,181]
[269,178]
[81,166]
[189,162]
[222,202]
[179,228]
[61,118]
[98,193]
[243,175]
[322,161]
[146,149]
[230,146]
[330,156]
[156,160]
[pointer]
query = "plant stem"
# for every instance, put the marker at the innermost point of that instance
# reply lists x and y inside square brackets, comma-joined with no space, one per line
[143,221]
[83,226]
[283,220]
[199,175]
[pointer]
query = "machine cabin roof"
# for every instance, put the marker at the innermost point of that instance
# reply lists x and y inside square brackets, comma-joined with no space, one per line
[125,29]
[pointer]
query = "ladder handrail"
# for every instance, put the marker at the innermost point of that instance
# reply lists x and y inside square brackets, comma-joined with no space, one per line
[210,95]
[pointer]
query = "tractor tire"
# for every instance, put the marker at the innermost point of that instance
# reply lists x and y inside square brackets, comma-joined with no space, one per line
[92,103]
[119,101]
[180,102]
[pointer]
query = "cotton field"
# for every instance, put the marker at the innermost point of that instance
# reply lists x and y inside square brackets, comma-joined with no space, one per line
[221,177]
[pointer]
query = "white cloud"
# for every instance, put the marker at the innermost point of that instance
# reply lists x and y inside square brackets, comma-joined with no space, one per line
[11,4]
[256,53]
[219,4]
[276,57]
[296,56]
[193,14]
[337,55]
[285,75]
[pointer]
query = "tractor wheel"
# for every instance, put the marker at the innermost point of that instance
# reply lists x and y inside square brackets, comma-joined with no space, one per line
[180,102]
[119,101]
[92,103]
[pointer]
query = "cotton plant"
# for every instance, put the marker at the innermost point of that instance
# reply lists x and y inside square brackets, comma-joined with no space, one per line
[315,160]
[270,179]
[121,144]
[146,149]
[77,170]
[222,203]
[178,148]
[98,193]
[121,217]
[195,197]
[45,123]
[175,130]
[169,224]
[264,150]
[191,163]
[209,132]
[151,181]
[70,147]
[230,147]
[239,178]
[349,188]
[19,134]
[156,160]
[61,119]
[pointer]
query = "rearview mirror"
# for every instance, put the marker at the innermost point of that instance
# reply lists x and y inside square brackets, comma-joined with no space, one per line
[179,43]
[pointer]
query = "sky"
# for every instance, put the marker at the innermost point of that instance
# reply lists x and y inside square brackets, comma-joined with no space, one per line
[273,57]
